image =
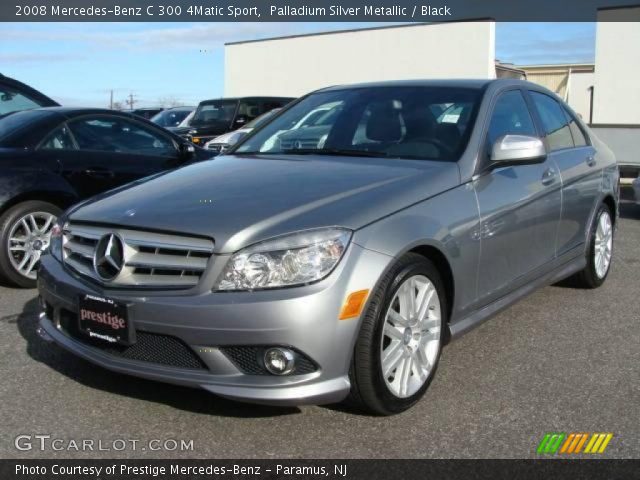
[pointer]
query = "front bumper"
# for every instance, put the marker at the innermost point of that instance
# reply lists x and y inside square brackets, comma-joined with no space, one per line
[304,318]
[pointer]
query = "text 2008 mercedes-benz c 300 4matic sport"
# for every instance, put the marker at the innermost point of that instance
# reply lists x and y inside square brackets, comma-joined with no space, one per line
[317,263]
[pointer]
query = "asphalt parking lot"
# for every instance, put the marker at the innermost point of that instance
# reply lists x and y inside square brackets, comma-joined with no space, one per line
[563,360]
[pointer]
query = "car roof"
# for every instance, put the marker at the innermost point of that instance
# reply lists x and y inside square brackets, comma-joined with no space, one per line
[70,112]
[478,83]
[255,97]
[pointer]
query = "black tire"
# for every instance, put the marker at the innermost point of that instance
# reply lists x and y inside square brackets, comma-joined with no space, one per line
[588,278]
[8,272]
[369,391]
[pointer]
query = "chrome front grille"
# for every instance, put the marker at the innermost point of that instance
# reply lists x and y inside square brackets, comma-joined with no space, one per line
[148,259]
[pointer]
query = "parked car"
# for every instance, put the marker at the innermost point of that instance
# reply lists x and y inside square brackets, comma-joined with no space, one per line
[147,113]
[636,189]
[16,96]
[51,158]
[225,141]
[172,117]
[184,126]
[290,275]
[311,131]
[215,117]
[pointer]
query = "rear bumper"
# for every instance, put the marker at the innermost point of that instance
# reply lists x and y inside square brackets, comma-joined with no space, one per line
[304,318]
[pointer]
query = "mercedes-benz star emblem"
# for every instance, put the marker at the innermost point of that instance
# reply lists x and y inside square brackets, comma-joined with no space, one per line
[108,259]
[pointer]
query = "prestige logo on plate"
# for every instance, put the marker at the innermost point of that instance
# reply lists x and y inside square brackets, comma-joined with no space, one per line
[114,321]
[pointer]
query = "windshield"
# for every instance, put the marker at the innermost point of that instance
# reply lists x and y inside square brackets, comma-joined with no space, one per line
[214,112]
[12,100]
[170,118]
[395,122]
[187,120]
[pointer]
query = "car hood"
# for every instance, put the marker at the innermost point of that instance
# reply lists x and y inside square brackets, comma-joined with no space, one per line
[179,130]
[231,138]
[241,200]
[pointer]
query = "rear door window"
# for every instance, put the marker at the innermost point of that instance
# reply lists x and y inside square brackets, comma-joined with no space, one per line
[119,135]
[553,120]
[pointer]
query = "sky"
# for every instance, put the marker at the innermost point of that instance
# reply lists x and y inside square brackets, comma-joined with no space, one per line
[79,64]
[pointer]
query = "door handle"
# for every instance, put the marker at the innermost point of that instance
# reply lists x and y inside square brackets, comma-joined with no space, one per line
[99,173]
[591,161]
[549,176]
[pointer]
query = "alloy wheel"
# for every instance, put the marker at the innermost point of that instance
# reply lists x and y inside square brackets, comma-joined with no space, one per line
[29,237]
[411,336]
[603,244]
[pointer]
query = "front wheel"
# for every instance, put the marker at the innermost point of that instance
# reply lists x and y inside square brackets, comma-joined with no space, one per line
[401,338]
[25,233]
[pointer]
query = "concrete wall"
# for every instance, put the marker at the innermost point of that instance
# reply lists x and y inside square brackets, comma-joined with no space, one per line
[297,65]
[617,85]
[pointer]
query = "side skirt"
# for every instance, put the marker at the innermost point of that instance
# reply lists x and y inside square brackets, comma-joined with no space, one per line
[476,318]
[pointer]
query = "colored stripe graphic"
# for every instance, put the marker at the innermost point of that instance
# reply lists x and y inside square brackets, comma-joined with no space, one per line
[551,442]
[572,443]
[598,442]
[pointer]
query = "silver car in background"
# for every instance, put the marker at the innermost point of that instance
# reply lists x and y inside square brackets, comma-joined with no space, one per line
[311,265]
[224,142]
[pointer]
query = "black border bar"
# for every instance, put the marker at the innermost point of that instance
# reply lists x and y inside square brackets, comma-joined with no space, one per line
[552,469]
[307,10]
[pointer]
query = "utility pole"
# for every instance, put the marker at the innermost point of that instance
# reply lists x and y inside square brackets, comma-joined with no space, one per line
[111,100]
[131,101]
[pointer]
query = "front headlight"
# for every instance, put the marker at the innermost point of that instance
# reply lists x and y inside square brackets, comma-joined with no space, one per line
[296,259]
[55,242]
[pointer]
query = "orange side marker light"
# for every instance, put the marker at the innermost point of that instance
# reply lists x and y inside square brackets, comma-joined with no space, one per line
[353,305]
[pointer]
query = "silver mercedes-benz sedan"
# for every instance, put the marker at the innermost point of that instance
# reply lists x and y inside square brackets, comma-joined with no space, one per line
[315,264]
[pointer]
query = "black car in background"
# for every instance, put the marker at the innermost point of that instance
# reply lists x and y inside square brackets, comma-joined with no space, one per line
[172,117]
[148,112]
[215,117]
[50,158]
[16,96]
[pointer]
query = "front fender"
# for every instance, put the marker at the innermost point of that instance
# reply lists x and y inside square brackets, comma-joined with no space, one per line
[448,222]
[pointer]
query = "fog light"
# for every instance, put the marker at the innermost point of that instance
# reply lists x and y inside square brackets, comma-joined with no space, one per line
[279,361]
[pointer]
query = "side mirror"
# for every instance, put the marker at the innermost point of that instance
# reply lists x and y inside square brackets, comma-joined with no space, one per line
[186,151]
[240,120]
[517,149]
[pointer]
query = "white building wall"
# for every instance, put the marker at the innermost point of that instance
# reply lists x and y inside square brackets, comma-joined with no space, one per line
[579,93]
[297,65]
[617,88]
